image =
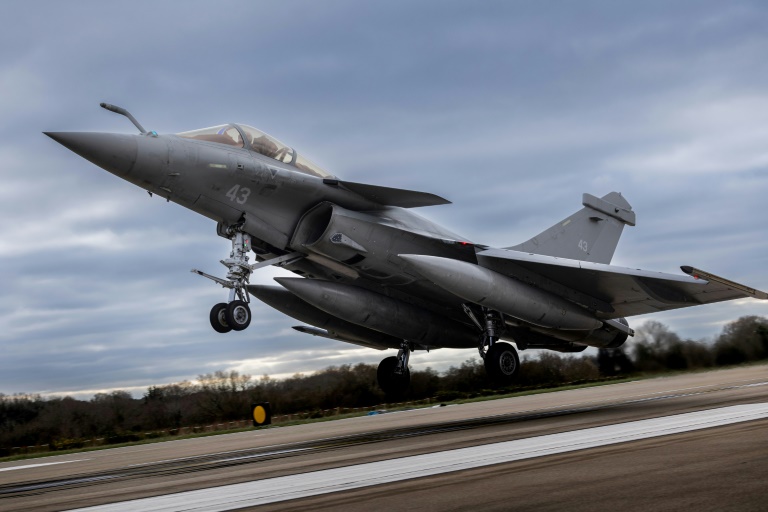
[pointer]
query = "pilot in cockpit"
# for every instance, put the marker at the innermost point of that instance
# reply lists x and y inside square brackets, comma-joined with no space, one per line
[265,146]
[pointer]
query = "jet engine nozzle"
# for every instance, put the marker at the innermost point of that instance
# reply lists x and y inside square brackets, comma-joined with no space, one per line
[113,152]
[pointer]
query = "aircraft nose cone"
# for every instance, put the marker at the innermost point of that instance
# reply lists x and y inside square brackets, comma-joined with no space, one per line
[113,152]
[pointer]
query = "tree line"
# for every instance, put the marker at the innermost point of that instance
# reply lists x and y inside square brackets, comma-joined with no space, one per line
[223,396]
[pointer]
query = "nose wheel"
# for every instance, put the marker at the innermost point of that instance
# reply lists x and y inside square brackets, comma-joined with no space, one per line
[219,318]
[235,315]
[238,315]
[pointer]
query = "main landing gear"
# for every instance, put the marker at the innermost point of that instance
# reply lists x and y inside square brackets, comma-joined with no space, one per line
[393,374]
[235,314]
[502,364]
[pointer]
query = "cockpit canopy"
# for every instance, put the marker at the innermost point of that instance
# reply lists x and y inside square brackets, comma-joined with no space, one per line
[244,136]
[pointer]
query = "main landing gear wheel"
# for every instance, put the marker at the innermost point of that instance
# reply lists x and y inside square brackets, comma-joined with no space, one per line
[392,383]
[502,364]
[238,315]
[219,318]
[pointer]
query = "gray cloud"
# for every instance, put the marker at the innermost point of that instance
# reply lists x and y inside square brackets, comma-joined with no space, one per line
[511,110]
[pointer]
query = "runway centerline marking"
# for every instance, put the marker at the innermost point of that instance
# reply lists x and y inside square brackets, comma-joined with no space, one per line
[14,468]
[314,483]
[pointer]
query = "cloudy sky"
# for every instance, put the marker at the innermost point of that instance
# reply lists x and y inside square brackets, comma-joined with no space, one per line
[510,109]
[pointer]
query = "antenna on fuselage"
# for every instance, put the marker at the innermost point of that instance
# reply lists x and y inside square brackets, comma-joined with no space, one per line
[121,110]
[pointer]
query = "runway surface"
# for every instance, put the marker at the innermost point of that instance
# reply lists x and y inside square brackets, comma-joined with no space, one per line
[635,445]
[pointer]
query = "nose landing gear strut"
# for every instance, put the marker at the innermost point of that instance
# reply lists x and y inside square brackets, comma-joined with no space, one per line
[235,314]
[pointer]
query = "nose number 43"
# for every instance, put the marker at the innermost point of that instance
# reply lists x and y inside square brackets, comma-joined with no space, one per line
[239,194]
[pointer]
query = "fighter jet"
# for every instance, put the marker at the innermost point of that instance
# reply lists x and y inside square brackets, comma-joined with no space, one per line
[371,272]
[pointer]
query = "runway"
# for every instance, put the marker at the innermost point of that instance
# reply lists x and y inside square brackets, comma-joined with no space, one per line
[627,445]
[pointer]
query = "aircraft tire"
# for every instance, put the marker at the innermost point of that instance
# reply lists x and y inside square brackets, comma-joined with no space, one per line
[502,364]
[238,315]
[392,384]
[218,318]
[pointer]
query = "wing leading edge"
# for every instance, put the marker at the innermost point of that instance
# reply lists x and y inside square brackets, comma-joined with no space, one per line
[390,196]
[615,291]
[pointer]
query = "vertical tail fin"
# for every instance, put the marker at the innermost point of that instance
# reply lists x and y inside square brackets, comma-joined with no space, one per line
[591,234]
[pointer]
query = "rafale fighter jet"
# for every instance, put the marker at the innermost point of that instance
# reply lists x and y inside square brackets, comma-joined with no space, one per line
[373,273]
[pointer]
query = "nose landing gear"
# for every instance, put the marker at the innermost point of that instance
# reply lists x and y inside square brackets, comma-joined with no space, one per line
[235,314]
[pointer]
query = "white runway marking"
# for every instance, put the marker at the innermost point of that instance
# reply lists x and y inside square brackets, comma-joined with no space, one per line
[14,468]
[272,490]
